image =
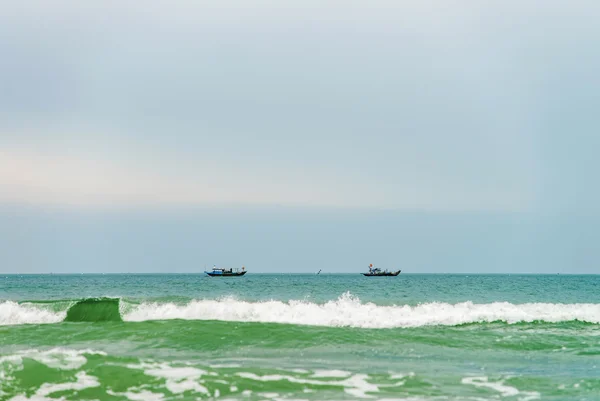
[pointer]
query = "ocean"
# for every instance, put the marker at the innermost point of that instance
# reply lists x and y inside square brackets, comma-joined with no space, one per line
[299,337]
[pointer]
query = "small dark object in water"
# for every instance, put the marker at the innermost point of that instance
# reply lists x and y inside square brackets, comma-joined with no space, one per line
[382,274]
[226,272]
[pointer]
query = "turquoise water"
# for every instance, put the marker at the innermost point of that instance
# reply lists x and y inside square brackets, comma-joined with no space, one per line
[299,337]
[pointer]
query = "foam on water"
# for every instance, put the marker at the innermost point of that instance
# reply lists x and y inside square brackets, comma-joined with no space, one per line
[140,395]
[83,381]
[503,389]
[13,313]
[349,311]
[331,373]
[356,385]
[346,311]
[60,358]
[56,358]
[177,379]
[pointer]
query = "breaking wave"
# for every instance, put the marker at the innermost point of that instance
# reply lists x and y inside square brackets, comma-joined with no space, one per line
[12,313]
[346,311]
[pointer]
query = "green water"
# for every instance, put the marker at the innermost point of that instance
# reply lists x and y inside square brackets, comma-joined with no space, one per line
[276,337]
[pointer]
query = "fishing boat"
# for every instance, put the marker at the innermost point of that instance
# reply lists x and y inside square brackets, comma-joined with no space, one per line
[375,272]
[216,272]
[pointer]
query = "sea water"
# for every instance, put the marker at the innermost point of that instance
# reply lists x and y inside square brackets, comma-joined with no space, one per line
[299,337]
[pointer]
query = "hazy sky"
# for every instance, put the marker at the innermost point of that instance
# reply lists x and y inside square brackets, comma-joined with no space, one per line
[370,120]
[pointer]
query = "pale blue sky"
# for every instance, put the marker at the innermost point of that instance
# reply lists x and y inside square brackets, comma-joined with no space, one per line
[390,116]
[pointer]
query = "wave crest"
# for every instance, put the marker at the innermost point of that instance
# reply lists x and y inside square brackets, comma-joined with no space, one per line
[12,313]
[346,311]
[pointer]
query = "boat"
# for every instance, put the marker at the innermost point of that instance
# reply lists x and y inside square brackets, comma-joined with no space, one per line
[382,274]
[375,272]
[216,272]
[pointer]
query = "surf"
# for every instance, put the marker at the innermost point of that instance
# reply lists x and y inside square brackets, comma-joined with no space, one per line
[348,311]
[345,311]
[45,312]
[95,310]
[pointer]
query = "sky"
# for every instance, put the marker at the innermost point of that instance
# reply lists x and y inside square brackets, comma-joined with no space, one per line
[436,136]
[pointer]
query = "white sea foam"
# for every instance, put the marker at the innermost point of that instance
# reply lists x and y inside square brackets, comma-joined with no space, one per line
[56,358]
[503,389]
[350,311]
[13,313]
[135,394]
[331,373]
[60,358]
[178,379]
[356,385]
[83,381]
[346,311]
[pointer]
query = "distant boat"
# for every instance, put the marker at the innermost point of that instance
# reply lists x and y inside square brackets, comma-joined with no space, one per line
[226,272]
[375,272]
[382,274]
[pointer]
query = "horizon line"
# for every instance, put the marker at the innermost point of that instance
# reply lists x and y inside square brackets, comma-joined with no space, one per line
[292,273]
